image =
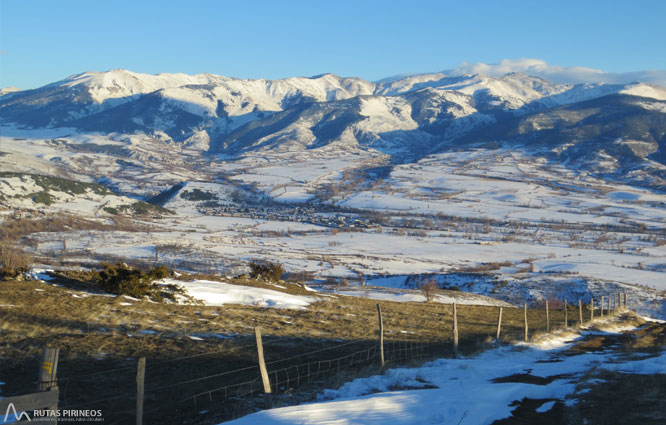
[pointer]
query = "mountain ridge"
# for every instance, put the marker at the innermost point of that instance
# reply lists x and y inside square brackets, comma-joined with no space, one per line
[404,118]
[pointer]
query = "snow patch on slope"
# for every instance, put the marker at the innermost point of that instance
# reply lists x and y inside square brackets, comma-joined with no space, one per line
[217,293]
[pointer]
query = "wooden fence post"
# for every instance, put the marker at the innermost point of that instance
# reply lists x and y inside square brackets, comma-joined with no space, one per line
[48,368]
[499,327]
[525,338]
[455,330]
[614,304]
[608,311]
[591,309]
[566,315]
[140,378]
[580,312]
[547,318]
[602,306]
[625,302]
[381,335]
[262,368]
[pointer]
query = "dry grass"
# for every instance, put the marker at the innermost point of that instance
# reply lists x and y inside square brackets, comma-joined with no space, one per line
[35,305]
[96,332]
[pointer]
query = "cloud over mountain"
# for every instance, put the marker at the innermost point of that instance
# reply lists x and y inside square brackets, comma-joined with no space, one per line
[559,74]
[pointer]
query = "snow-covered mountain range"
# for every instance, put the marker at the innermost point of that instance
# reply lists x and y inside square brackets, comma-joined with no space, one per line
[405,117]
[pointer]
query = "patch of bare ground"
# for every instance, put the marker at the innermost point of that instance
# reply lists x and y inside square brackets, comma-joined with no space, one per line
[604,397]
[619,398]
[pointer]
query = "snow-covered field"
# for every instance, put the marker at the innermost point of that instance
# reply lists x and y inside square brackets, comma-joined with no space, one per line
[465,391]
[556,230]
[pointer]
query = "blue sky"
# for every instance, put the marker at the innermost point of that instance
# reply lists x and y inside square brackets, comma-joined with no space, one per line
[45,41]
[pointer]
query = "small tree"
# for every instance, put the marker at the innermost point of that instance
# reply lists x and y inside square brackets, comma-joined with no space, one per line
[13,261]
[429,289]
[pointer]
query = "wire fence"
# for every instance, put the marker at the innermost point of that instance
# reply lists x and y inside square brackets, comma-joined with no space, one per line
[226,383]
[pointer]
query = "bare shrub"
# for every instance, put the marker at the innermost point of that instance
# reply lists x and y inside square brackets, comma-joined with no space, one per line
[486,267]
[271,233]
[172,249]
[266,270]
[418,233]
[13,261]
[300,276]
[429,289]
[553,304]
[17,227]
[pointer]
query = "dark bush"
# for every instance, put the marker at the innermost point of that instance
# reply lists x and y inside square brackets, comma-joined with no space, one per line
[266,270]
[197,195]
[121,279]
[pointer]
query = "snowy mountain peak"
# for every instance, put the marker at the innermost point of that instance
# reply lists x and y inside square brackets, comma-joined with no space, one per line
[121,83]
[645,90]
[9,90]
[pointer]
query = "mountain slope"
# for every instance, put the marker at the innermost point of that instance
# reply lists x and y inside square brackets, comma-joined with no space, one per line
[609,129]
[223,104]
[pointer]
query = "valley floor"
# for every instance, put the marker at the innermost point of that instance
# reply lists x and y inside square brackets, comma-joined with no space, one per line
[511,223]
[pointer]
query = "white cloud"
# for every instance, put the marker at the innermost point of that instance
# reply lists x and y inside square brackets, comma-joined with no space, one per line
[559,74]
